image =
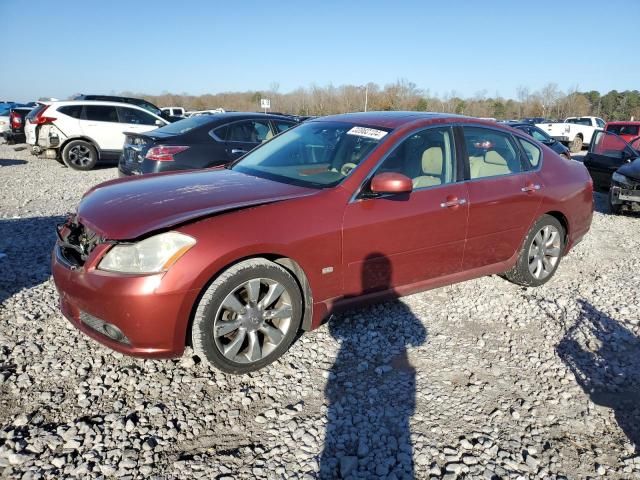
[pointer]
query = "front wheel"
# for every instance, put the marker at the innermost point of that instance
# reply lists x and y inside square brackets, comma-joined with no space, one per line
[540,255]
[248,317]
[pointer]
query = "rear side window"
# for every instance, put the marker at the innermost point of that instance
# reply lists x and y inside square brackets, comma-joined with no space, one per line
[222,132]
[533,153]
[136,117]
[74,111]
[100,113]
[580,121]
[491,153]
[249,131]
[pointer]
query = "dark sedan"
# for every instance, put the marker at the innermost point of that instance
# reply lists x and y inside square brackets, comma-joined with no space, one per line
[541,136]
[198,142]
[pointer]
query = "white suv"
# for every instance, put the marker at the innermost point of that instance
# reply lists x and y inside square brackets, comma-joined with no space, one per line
[82,132]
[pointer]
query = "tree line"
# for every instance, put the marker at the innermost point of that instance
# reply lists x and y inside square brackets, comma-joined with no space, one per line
[549,102]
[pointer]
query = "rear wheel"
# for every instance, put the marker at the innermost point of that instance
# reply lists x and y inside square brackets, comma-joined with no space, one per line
[576,145]
[540,255]
[248,317]
[80,155]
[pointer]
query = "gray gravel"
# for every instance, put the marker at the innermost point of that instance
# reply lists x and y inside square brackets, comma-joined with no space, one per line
[482,379]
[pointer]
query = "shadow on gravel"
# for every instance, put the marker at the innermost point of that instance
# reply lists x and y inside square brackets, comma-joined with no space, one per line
[25,252]
[604,356]
[372,387]
[10,163]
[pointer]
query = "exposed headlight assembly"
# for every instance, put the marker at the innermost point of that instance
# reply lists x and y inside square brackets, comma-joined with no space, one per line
[619,178]
[151,255]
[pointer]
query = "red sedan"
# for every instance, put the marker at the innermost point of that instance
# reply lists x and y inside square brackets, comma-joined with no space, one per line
[358,207]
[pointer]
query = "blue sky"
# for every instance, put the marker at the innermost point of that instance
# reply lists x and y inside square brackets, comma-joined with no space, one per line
[57,48]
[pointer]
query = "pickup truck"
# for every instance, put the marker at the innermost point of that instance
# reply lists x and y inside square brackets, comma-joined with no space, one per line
[574,131]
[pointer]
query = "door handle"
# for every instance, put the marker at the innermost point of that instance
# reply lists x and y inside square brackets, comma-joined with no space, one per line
[237,150]
[453,203]
[530,188]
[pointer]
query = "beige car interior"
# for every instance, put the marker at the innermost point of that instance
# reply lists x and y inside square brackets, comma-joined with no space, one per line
[488,165]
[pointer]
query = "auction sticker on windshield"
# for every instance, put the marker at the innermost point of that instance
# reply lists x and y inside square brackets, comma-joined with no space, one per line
[367,132]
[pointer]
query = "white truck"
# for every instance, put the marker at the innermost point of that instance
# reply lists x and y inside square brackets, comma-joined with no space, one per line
[574,131]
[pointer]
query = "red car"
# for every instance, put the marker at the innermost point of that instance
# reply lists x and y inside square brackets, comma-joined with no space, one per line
[336,211]
[627,130]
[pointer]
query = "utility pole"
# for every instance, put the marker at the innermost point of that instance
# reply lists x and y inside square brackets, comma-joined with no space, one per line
[366,96]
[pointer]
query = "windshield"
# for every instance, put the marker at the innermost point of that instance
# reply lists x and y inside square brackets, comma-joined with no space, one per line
[149,107]
[313,154]
[631,130]
[184,126]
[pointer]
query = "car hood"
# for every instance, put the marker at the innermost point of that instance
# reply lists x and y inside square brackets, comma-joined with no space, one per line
[631,170]
[129,208]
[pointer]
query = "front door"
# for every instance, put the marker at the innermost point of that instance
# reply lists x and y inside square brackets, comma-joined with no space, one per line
[396,240]
[607,153]
[504,195]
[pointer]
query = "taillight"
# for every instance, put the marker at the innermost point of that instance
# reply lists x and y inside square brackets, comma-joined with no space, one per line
[164,153]
[41,119]
[15,120]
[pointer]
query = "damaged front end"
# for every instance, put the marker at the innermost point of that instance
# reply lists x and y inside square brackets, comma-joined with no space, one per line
[75,242]
[625,191]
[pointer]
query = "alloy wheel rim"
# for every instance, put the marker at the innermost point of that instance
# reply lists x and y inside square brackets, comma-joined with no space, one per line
[544,252]
[80,155]
[252,320]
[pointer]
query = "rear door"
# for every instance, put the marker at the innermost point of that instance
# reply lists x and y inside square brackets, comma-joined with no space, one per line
[243,136]
[503,196]
[100,123]
[607,153]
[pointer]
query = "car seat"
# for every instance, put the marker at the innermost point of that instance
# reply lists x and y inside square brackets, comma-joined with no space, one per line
[431,163]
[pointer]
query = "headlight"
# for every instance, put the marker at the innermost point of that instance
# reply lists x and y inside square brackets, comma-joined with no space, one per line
[152,255]
[617,177]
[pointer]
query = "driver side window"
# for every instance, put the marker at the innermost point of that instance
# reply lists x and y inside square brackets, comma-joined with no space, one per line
[426,157]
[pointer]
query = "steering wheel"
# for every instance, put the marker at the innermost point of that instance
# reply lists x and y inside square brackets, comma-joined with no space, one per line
[346,168]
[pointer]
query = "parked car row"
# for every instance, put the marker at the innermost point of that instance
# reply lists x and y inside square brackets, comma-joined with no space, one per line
[80,133]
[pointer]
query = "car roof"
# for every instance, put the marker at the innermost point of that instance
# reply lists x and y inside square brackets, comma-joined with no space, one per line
[97,102]
[624,122]
[396,119]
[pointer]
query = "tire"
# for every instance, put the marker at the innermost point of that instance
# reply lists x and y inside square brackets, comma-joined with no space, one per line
[576,145]
[80,155]
[614,208]
[531,255]
[243,322]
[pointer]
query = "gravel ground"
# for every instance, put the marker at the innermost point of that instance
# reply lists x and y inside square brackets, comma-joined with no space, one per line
[482,379]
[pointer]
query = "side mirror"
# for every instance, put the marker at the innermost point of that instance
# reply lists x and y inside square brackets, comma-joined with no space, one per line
[391,182]
[159,123]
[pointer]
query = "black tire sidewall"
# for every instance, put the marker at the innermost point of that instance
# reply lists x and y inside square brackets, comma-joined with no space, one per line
[205,329]
[92,150]
[523,259]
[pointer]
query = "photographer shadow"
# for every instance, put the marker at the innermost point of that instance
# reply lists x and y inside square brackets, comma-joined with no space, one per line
[371,388]
[604,357]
